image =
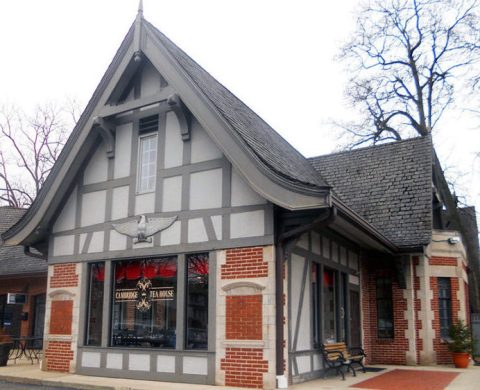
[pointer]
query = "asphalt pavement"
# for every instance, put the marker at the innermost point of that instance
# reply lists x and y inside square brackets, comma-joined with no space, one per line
[14,386]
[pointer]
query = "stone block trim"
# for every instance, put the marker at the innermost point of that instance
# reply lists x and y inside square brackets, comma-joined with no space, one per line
[64,275]
[61,317]
[440,347]
[58,355]
[244,317]
[435,260]
[244,367]
[244,263]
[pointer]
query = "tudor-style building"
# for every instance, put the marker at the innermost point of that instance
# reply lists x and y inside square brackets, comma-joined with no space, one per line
[187,241]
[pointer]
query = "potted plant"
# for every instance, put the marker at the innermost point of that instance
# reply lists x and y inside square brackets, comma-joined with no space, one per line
[460,344]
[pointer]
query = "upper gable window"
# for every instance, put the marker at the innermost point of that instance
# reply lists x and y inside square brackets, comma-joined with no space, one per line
[147,155]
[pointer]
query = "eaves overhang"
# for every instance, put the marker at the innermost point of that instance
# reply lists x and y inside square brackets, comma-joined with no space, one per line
[351,222]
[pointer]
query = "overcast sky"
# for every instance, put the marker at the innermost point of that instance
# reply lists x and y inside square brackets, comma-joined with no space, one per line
[277,56]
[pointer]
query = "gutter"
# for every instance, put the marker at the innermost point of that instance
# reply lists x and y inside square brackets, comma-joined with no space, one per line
[364,225]
[285,239]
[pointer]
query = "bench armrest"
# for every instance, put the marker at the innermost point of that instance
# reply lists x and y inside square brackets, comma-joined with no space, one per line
[357,351]
[337,355]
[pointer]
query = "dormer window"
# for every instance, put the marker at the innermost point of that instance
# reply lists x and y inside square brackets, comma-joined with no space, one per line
[147,162]
[147,154]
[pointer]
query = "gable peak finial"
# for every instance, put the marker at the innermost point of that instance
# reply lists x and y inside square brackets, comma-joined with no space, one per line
[140,7]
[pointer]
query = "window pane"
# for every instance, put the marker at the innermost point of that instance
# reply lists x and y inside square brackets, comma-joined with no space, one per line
[145,303]
[384,308]
[147,163]
[197,302]
[329,306]
[444,306]
[315,304]
[95,304]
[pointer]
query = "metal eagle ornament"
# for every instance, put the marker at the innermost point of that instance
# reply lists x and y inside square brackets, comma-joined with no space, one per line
[142,230]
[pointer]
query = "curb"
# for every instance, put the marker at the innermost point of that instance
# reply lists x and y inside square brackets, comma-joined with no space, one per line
[53,383]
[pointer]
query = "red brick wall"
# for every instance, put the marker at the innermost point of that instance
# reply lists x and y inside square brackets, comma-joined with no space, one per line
[58,356]
[61,317]
[244,367]
[441,349]
[383,351]
[435,260]
[244,317]
[64,275]
[244,263]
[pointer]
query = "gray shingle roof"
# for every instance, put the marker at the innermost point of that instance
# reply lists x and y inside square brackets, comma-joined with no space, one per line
[13,260]
[389,185]
[256,134]
[9,216]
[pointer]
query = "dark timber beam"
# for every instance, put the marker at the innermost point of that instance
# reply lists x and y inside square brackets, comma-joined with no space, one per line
[102,127]
[183,115]
[164,94]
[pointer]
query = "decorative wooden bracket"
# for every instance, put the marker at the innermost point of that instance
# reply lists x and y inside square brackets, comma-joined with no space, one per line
[105,130]
[183,115]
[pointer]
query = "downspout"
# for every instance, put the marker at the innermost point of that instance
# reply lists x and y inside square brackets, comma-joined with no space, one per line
[284,239]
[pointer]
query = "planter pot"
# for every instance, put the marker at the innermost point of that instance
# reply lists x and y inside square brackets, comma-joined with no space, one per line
[4,352]
[461,359]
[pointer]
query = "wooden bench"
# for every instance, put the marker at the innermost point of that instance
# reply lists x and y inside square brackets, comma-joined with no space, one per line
[338,355]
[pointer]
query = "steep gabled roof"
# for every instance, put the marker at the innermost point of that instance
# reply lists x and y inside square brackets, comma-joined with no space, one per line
[268,163]
[13,260]
[258,136]
[389,185]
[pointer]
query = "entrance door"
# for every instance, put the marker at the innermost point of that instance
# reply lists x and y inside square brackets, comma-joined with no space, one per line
[38,319]
[355,334]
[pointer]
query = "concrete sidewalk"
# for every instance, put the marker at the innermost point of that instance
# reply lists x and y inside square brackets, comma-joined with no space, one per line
[24,372]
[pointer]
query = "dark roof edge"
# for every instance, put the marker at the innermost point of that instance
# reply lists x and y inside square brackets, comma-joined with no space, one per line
[281,178]
[23,274]
[375,146]
[364,225]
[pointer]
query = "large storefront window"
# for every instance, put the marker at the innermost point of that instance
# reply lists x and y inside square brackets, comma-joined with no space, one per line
[315,304]
[197,302]
[145,303]
[330,305]
[96,274]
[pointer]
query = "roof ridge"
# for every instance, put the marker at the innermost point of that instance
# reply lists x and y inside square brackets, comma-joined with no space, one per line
[376,146]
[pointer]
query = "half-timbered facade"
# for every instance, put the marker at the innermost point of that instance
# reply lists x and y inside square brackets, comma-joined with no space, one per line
[187,241]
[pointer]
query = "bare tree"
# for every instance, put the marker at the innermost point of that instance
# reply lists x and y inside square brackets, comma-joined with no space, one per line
[405,59]
[29,146]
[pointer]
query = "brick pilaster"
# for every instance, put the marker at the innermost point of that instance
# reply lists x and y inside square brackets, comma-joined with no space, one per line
[61,317]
